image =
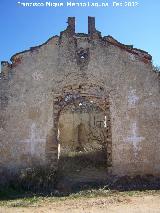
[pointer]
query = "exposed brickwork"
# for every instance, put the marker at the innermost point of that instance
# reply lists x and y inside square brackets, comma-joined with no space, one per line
[61,101]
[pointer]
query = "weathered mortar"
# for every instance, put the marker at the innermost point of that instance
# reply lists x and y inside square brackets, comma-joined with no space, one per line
[34,84]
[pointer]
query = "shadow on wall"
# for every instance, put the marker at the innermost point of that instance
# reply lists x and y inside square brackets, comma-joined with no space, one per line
[37,182]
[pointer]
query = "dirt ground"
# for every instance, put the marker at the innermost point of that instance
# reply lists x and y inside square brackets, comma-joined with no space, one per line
[122,204]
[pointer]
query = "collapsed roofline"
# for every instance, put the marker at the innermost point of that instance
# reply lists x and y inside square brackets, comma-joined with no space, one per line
[93,34]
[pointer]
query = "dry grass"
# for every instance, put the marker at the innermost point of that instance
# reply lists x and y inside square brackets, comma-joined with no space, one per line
[31,200]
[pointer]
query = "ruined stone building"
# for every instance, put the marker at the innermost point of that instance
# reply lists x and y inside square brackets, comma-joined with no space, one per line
[80,93]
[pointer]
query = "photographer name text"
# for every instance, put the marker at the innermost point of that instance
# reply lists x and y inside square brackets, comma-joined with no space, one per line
[80,4]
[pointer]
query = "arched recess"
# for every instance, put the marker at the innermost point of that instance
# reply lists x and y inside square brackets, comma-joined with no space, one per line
[59,104]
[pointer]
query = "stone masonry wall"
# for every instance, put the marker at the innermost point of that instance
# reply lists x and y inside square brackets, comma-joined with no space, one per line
[87,65]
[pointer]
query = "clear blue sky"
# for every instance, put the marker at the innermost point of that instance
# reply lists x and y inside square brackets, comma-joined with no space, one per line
[23,27]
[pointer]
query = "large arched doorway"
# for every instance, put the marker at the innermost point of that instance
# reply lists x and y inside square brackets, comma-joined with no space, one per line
[84,139]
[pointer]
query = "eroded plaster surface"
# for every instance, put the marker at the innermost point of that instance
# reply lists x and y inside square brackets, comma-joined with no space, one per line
[75,67]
